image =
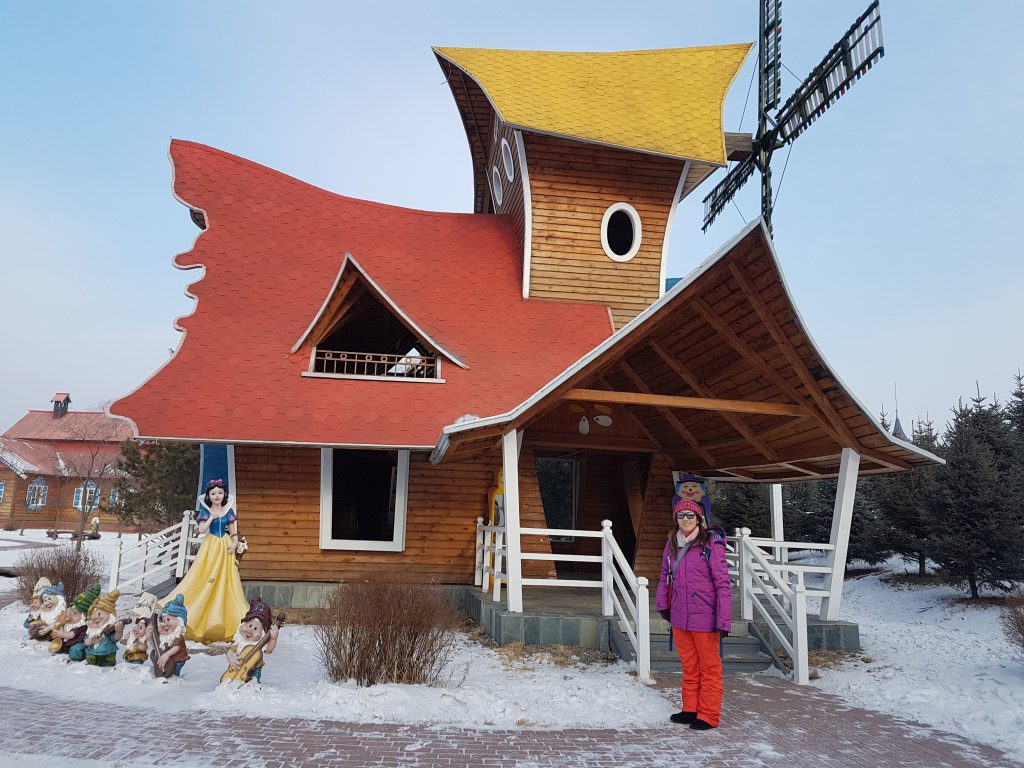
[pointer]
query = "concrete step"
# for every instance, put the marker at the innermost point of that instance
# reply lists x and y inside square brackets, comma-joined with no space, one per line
[742,654]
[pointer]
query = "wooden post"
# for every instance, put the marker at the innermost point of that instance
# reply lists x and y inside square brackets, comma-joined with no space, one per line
[778,533]
[115,566]
[499,539]
[643,631]
[513,544]
[799,608]
[842,519]
[183,542]
[478,573]
[746,577]
[607,583]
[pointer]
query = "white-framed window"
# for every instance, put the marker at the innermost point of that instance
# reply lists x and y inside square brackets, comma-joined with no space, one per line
[115,497]
[35,496]
[496,191]
[620,232]
[1,493]
[363,499]
[87,496]
[506,160]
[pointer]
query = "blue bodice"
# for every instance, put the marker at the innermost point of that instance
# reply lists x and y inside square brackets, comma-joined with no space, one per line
[219,527]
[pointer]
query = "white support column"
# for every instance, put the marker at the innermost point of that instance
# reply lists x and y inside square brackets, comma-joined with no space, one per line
[746,565]
[607,584]
[801,671]
[478,573]
[514,566]
[778,533]
[842,519]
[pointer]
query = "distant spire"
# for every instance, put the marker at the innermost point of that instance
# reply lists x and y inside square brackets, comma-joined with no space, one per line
[897,428]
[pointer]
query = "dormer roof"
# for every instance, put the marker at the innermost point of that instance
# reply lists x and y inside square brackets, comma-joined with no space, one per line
[665,102]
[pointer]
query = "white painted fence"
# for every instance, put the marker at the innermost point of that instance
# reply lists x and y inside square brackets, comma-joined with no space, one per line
[155,558]
[623,594]
[774,588]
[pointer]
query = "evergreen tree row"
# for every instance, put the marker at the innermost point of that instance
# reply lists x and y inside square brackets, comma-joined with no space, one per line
[966,518]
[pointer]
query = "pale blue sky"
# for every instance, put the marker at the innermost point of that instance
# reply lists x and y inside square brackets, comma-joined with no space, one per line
[895,222]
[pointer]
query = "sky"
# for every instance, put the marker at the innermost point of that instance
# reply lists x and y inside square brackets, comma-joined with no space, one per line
[894,229]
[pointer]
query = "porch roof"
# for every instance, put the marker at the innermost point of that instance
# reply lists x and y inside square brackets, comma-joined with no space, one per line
[720,374]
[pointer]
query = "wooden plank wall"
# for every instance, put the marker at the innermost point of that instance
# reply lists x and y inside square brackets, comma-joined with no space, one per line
[279,513]
[13,510]
[512,191]
[572,184]
[657,520]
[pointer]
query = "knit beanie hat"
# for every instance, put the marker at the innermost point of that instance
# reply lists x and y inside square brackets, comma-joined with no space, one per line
[41,585]
[57,589]
[107,602]
[685,505]
[83,602]
[176,608]
[258,610]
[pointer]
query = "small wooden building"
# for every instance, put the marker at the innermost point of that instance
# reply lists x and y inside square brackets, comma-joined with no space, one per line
[373,368]
[59,464]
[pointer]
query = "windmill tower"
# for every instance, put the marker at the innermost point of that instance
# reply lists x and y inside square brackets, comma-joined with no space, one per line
[589,154]
[846,62]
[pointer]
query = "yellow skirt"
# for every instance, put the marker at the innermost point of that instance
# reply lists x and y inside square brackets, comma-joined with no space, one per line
[212,590]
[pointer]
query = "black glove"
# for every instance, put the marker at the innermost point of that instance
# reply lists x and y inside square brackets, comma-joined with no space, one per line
[666,614]
[723,633]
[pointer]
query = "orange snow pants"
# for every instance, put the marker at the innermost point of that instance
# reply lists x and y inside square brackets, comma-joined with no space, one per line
[702,673]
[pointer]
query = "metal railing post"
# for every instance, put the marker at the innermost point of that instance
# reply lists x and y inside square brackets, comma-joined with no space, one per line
[478,573]
[607,585]
[746,577]
[800,662]
[643,631]
[183,534]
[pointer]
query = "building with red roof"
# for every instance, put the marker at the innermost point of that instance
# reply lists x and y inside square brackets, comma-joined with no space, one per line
[378,375]
[59,466]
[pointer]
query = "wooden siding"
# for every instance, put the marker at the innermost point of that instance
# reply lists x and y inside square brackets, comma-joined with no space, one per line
[278,492]
[572,184]
[657,520]
[512,191]
[15,513]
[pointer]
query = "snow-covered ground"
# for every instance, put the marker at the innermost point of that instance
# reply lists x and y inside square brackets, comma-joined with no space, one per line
[934,660]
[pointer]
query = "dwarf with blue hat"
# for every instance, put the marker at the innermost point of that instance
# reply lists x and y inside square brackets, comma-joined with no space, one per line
[167,645]
[51,606]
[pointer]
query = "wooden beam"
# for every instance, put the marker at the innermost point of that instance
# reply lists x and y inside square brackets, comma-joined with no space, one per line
[694,383]
[670,417]
[802,470]
[636,419]
[337,301]
[689,403]
[738,146]
[590,442]
[775,330]
[758,362]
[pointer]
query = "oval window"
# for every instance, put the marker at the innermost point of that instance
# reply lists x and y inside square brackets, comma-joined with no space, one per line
[620,232]
[506,160]
[496,189]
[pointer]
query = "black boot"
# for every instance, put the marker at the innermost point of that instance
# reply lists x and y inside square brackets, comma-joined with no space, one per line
[683,717]
[700,725]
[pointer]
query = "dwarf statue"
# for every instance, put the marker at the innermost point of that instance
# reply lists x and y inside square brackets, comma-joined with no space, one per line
[51,612]
[103,631]
[72,634]
[255,637]
[136,639]
[35,602]
[168,642]
[693,488]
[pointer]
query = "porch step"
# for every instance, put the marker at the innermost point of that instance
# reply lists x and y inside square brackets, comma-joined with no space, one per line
[742,654]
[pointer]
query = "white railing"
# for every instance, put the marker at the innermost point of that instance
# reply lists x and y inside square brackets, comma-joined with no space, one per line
[775,589]
[621,589]
[155,558]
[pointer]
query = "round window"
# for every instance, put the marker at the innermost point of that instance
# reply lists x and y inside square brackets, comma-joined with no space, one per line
[620,232]
[506,160]
[496,189]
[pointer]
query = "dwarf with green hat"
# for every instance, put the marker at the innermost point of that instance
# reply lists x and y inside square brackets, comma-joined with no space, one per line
[72,634]
[103,631]
[169,640]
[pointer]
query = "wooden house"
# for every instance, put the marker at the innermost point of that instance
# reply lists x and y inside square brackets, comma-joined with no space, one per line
[371,369]
[58,465]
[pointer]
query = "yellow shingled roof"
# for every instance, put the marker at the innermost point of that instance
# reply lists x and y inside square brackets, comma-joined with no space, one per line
[667,102]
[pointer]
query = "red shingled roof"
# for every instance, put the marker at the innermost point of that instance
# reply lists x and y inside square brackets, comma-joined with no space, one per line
[271,253]
[89,426]
[30,458]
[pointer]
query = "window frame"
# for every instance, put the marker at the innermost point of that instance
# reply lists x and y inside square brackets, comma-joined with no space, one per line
[38,485]
[507,161]
[2,492]
[397,542]
[634,217]
[81,497]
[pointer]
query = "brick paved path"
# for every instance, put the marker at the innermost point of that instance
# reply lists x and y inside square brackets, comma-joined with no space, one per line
[766,722]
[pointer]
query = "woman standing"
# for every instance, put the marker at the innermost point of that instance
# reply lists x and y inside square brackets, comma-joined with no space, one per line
[695,597]
[212,588]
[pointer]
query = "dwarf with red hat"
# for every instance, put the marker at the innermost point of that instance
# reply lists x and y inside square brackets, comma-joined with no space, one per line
[256,637]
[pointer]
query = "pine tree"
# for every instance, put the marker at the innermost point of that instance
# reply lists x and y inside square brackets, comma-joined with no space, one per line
[980,539]
[158,482]
[741,505]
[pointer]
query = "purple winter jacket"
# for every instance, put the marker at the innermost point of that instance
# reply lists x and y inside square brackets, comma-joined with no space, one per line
[699,596]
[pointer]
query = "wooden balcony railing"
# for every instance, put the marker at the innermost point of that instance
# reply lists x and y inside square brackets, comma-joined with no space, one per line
[375,364]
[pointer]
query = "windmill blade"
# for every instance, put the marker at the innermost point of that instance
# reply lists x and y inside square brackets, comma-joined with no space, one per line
[770,56]
[850,58]
[726,189]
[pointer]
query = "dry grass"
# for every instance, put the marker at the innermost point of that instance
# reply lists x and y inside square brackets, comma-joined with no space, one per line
[911,580]
[827,659]
[519,655]
[1013,624]
[78,571]
[387,633]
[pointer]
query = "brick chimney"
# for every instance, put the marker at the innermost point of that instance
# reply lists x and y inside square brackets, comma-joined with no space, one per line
[60,401]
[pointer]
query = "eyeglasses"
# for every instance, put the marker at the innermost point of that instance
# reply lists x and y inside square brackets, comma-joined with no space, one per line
[685,515]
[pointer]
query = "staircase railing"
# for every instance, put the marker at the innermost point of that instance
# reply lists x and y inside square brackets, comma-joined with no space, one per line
[775,590]
[621,589]
[155,558]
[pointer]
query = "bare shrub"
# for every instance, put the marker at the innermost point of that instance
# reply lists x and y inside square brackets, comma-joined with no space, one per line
[1013,625]
[387,633]
[78,570]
